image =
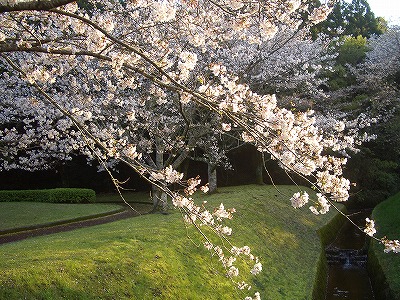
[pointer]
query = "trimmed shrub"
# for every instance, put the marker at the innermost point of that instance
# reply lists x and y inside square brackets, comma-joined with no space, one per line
[61,195]
[24,195]
[72,195]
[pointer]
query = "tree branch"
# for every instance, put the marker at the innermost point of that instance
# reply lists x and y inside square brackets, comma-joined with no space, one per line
[6,6]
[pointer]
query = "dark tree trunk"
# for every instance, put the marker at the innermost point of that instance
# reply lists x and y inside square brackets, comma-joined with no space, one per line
[64,176]
[212,178]
[159,198]
[259,168]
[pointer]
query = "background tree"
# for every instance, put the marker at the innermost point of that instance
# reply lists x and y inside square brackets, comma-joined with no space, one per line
[350,52]
[360,20]
[351,18]
[378,77]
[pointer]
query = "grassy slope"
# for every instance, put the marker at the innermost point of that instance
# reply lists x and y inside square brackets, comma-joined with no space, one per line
[150,257]
[387,218]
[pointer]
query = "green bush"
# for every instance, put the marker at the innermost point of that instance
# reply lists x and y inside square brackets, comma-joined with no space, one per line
[377,178]
[72,195]
[61,195]
[24,195]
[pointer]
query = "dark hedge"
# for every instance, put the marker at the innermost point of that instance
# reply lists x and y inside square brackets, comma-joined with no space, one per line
[60,195]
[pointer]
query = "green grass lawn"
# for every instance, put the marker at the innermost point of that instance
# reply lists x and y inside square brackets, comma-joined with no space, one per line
[21,214]
[387,217]
[131,197]
[156,257]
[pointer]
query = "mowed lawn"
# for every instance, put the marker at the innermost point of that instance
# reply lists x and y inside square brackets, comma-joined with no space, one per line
[25,214]
[157,257]
[22,214]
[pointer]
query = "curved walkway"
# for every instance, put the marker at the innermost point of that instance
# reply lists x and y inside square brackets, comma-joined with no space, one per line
[68,226]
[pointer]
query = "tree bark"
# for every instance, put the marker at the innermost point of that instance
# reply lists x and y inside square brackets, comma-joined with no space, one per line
[259,168]
[32,5]
[64,176]
[212,178]
[159,198]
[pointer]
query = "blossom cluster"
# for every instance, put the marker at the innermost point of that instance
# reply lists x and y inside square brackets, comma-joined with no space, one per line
[322,206]
[391,245]
[228,261]
[169,175]
[256,297]
[299,199]
[370,227]
[291,138]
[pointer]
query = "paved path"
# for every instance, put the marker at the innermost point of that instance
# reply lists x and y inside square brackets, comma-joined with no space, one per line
[18,236]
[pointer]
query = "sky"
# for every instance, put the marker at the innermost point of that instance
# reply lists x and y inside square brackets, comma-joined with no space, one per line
[389,9]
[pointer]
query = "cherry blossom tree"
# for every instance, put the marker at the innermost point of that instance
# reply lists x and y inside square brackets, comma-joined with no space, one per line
[113,75]
[290,63]
[378,90]
[382,64]
[371,95]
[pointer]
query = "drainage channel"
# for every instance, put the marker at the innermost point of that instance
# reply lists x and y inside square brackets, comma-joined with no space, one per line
[347,261]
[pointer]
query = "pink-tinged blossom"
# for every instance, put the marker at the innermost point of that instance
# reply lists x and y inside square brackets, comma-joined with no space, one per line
[257,268]
[225,230]
[188,60]
[268,29]
[322,206]
[169,175]
[256,297]
[319,14]
[391,245]
[299,199]
[221,213]
[370,227]
[243,285]
[205,188]
[226,126]
[180,201]
[163,11]
[233,272]
[208,245]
